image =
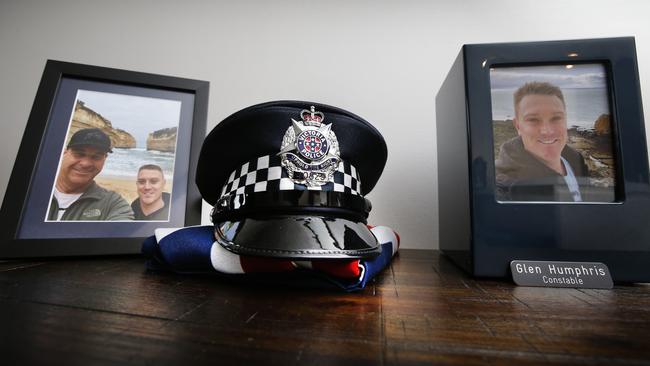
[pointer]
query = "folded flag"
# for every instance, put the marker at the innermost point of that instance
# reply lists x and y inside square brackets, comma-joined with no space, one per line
[194,250]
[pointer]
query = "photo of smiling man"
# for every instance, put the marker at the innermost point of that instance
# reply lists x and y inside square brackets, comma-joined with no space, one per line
[538,165]
[152,203]
[538,156]
[118,150]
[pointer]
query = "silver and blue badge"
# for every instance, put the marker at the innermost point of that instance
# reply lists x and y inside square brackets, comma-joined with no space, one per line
[310,151]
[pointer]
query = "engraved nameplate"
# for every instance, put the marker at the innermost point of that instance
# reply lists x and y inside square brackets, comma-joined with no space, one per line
[561,274]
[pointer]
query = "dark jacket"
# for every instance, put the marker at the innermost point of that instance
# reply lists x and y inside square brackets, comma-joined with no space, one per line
[520,176]
[95,204]
[161,214]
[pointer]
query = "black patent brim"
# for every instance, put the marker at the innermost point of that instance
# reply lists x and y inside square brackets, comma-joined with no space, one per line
[298,237]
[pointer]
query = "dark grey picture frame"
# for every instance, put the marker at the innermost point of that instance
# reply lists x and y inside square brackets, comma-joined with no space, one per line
[22,181]
[482,234]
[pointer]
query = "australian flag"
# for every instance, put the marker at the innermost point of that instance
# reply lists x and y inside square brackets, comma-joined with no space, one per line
[193,250]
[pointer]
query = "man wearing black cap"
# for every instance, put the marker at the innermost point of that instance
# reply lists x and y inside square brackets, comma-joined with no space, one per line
[76,196]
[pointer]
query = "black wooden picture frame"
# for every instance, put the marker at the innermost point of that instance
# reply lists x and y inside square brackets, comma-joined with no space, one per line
[36,164]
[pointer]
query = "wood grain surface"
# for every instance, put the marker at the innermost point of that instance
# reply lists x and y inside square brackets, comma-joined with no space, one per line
[421,311]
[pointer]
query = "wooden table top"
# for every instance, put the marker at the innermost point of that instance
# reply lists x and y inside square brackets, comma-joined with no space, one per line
[421,310]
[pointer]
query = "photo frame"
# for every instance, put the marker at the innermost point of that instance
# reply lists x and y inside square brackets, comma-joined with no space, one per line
[482,228]
[107,156]
[549,119]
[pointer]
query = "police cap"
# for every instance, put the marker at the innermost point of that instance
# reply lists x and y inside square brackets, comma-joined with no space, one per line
[287,179]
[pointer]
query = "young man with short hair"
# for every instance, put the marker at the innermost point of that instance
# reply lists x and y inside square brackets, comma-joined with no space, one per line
[538,165]
[152,203]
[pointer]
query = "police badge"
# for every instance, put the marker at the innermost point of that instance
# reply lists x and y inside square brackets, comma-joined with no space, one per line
[310,151]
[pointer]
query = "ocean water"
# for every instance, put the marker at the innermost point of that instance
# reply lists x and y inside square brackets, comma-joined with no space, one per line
[126,162]
[584,106]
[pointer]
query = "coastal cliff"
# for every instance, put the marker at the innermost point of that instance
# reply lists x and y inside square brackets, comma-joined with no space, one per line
[85,117]
[162,140]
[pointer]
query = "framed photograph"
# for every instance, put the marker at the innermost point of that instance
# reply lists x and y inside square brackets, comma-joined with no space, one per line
[553,133]
[107,157]
[542,155]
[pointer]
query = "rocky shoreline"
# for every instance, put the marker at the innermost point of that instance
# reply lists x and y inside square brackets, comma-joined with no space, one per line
[162,140]
[595,145]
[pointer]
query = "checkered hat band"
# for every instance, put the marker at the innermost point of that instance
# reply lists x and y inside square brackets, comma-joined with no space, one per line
[266,174]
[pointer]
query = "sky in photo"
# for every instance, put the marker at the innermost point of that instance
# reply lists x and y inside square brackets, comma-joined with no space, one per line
[584,88]
[574,77]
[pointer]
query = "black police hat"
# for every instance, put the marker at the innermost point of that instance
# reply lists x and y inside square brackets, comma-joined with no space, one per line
[94,137]
[287,179]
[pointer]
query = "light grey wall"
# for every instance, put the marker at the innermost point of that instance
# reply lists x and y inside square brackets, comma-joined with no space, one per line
[383,60]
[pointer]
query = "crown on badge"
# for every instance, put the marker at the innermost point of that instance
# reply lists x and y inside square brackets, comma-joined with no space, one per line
[311,117]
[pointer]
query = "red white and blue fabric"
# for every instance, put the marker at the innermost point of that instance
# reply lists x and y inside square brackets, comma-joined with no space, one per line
[193,250]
